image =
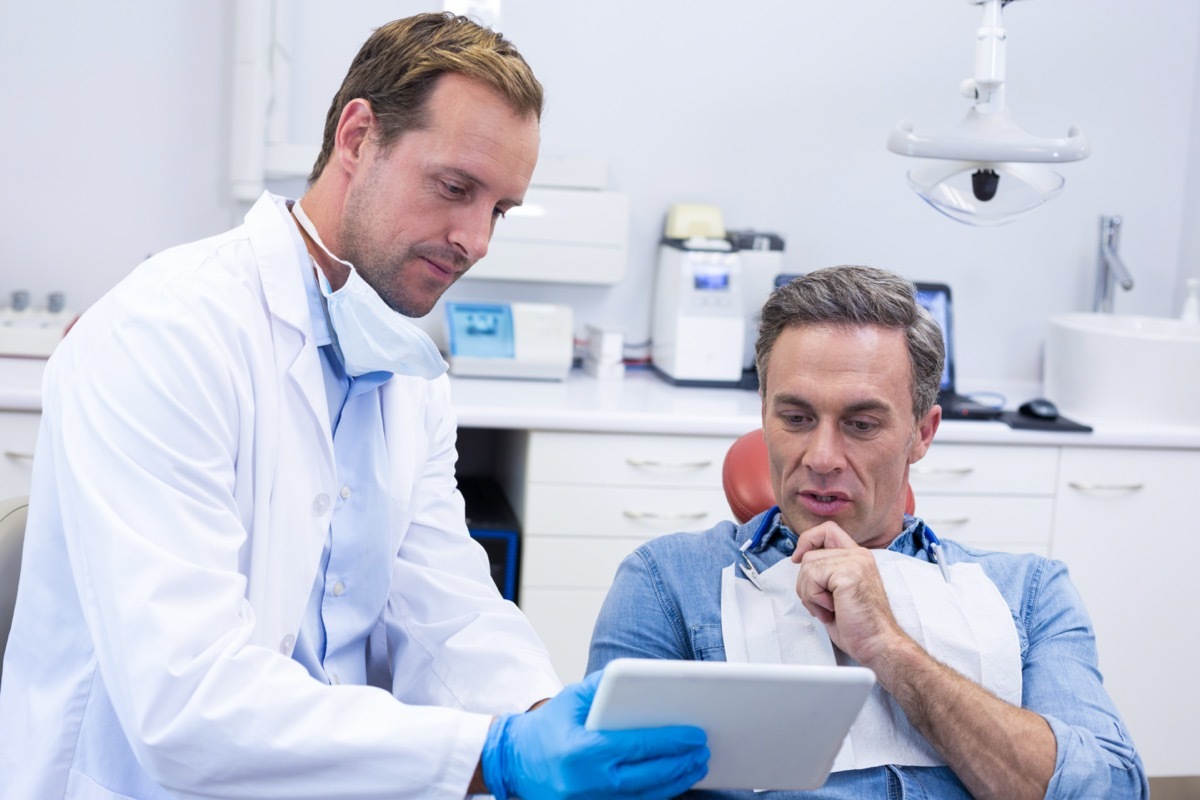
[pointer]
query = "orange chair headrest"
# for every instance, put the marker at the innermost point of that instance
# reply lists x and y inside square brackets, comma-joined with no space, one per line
[746,476]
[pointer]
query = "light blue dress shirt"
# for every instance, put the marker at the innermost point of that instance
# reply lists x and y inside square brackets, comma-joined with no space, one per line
[665,602]
[355,573]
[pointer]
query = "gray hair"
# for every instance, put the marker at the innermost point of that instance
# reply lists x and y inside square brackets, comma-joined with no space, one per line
[858,296]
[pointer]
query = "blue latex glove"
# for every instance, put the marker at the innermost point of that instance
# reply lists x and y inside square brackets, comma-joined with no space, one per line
[547,753]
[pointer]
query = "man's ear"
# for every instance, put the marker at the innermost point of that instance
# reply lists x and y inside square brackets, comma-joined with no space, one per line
[926,428]
[353,134]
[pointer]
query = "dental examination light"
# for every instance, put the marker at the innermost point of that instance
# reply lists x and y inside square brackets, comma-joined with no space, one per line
[988,171]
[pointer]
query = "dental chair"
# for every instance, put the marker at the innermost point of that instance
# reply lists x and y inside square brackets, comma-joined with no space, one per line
[12,538]
[746,476]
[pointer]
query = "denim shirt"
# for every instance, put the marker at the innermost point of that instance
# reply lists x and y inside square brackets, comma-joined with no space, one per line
[665,602]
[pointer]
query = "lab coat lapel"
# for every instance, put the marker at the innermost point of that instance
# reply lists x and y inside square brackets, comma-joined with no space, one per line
[300,498]
[283,290]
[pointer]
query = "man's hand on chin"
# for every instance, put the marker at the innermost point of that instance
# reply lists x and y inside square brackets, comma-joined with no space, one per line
[840,585]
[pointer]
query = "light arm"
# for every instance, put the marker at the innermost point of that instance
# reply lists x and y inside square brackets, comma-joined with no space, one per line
[996,749]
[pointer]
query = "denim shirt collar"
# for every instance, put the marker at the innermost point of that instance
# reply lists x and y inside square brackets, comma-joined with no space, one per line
[779,537]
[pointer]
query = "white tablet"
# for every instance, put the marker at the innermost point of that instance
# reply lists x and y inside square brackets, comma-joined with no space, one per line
[769,726]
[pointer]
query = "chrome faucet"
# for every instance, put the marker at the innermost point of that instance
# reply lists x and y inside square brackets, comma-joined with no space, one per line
[1110,269]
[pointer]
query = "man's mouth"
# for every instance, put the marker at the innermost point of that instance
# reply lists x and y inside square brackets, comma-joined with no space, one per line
[448,271]
[442,260]
[824,505]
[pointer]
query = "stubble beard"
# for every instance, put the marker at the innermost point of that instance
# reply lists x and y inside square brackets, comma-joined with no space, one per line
[385,273]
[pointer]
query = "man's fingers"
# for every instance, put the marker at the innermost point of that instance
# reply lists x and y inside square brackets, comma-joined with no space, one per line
[820,605]
[826,536]
[812,586]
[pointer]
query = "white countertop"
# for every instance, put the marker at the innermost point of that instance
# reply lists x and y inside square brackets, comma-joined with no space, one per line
[642,402]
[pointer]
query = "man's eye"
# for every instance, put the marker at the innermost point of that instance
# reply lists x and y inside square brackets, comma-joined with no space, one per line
[861,426]
[498,212]
[454,189]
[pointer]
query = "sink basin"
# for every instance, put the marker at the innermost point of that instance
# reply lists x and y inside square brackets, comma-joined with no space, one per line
[1124,367]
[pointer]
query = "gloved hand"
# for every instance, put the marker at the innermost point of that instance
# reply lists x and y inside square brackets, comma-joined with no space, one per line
[547,753]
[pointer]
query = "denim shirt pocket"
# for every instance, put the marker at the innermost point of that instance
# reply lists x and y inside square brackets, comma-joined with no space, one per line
[708,644]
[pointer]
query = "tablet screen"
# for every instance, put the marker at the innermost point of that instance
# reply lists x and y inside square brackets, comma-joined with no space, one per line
[769,726]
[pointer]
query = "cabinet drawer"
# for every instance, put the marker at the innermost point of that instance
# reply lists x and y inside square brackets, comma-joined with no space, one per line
[633,512]
[970,469]
[564,619]
[1014,524]
[572,562]
[18,433]
[626,459]
[1125,523]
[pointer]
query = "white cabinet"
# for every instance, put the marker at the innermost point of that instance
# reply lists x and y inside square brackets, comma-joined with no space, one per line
[1126,526]
[18,433]
[589,499]
[996,497]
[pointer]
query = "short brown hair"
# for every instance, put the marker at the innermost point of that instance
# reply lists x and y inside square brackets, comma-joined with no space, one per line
[398,66]
[856,296]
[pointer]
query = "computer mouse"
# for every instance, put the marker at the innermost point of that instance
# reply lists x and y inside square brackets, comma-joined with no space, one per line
[1038,408]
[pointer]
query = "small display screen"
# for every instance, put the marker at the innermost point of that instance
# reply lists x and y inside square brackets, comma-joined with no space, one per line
[936,300]
[711,278]
[483,330]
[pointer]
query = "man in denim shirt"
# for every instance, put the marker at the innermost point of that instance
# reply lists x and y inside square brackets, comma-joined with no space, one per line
[849,367]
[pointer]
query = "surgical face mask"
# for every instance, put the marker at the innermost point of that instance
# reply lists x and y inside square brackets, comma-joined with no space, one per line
[371,335]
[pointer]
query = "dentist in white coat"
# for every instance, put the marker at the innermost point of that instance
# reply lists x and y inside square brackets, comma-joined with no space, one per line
[246,571]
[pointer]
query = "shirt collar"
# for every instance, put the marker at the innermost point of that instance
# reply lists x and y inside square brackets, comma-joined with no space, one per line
[316,304]
[907,540]
[770,532]
[778,534]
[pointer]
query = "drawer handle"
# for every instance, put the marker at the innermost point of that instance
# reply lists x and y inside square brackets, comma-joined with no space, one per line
[934,471]
[657,515]
[1106,487]
[948,521]
[15,456]
[647,462]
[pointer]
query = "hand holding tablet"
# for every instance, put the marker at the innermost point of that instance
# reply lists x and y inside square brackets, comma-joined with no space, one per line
[546,753]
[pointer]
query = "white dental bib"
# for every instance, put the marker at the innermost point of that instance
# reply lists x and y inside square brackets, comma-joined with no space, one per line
[964,623]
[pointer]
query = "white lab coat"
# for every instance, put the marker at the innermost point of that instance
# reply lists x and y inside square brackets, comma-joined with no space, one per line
[182,491]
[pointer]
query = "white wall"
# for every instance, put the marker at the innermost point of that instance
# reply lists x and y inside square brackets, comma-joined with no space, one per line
[116,138]
[1189,257]
[113,137]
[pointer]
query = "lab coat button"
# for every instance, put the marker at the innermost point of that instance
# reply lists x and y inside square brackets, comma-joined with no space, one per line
[345,492]
[338,588]
[320,504]
[286,645]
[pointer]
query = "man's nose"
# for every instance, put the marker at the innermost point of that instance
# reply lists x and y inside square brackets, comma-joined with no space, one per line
[473,232]
[826,450]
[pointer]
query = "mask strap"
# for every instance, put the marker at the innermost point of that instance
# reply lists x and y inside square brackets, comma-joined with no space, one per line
[311,230]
